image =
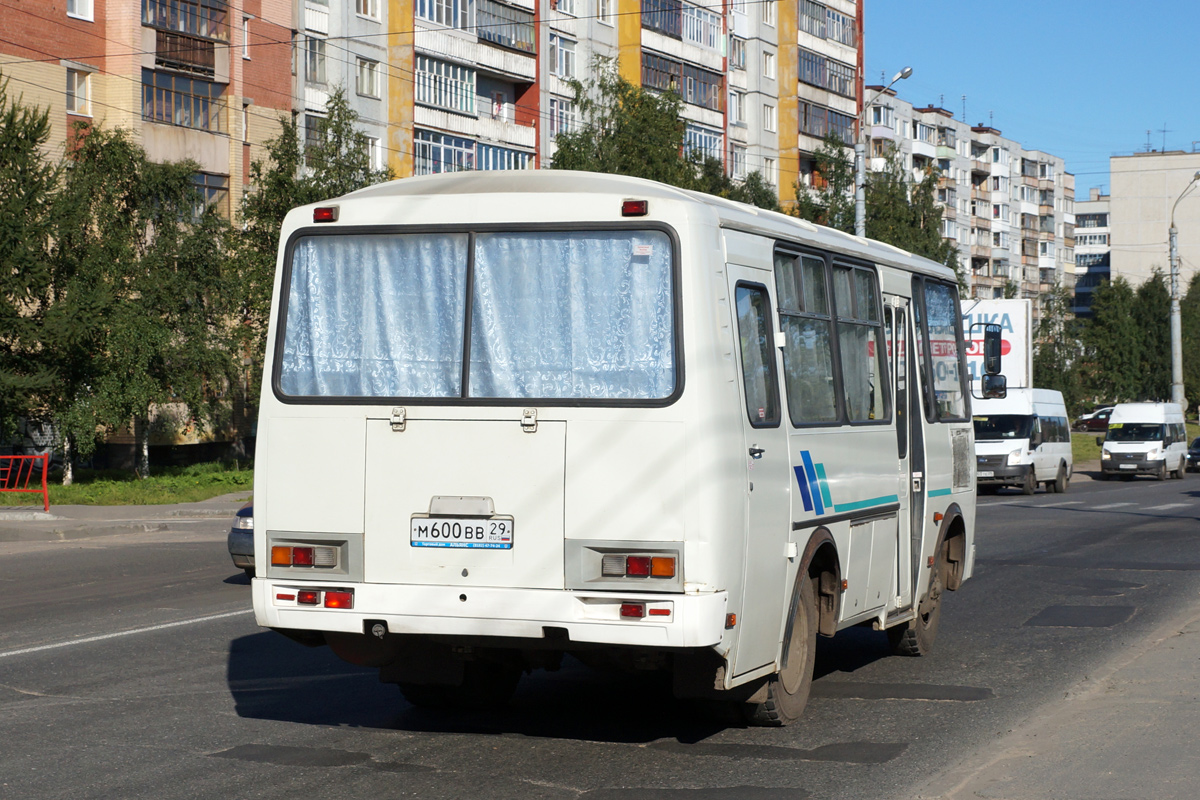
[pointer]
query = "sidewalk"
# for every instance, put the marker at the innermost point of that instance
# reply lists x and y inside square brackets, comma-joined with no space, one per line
[1129,731]
[30,523]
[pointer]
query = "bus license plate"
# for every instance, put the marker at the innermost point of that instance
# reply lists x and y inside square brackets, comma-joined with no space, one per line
[1129,466]
[986,474]
[472,533]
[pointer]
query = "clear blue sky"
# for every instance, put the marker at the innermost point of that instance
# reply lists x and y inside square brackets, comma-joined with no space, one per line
[1077,79]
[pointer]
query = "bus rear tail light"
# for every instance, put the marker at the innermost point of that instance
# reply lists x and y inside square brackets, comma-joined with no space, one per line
[339,599]
[308,598]
[303,556]
[620,565]
[633,610]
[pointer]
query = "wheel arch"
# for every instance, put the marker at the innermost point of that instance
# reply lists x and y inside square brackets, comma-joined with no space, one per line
[953,537]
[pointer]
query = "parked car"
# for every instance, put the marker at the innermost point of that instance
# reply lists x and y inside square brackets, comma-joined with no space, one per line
[241,539]
[1095,421]
[1194,455]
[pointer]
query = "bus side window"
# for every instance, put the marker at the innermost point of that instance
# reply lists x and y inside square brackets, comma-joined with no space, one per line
[893,322]
[860,345]
[804,316]
[758,355]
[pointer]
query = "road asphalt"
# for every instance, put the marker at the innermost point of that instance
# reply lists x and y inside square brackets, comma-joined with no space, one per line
[1126,731]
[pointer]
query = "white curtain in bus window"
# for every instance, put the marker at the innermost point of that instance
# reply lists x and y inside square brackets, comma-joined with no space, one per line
[941,311]
[375,316]
[758,358]
[583,314]
[861,345]
[808,345]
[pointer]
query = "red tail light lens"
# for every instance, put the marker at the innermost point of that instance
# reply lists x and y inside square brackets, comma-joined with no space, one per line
[634,208]
[637,565]
[633,610]
[339,599]
[327,214]
[302,556]
[308,598]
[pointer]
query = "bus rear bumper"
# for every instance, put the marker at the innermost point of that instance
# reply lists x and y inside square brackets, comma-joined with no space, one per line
[670,620]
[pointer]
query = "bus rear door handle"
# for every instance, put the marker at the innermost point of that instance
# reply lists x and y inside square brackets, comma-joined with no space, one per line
[756,452]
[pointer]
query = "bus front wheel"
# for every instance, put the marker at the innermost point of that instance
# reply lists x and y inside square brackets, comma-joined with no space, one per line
[788,689]
[915,637]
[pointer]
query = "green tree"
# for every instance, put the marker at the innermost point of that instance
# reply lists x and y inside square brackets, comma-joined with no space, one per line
[1058,353]
[628,130]
[1113,344]
[1152,312]
[335,164]
[140,314]
[1189,308]
[28,192]
[832,202]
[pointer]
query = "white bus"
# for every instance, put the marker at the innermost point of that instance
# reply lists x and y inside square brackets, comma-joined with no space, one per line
[512,416]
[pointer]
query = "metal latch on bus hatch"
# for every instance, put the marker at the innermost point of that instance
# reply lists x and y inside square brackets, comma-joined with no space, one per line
[398,419]
[529,420]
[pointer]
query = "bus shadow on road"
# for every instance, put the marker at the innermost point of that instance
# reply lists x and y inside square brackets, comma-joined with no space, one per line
[272,678]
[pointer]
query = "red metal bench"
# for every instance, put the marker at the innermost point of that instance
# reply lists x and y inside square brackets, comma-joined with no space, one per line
[17,472]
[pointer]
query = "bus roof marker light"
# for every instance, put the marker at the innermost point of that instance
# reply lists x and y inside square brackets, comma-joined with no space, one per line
[635,208]
[325,214]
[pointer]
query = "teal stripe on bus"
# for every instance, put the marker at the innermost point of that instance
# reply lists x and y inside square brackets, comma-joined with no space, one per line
[938,492]
[824,487]
[874,501]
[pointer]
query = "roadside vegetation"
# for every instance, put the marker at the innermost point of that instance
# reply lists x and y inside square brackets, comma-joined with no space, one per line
[167,485]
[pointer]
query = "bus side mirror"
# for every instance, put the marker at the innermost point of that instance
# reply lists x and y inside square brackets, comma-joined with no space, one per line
[991,349]
[1099,441]
[993,387]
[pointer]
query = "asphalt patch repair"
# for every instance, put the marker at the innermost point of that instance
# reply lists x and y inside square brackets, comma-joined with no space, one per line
[1081,616]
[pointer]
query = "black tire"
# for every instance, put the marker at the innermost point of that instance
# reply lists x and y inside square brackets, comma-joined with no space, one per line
[1061,482]
[916,637]
[1030,484]
[1161,475]
[1181,469]
[788,689]
[486,685]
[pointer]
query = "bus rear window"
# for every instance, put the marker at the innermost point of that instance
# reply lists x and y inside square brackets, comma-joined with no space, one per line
[554,315]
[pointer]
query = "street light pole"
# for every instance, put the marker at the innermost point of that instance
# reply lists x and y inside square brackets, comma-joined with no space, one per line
[1176,324]
[860,159]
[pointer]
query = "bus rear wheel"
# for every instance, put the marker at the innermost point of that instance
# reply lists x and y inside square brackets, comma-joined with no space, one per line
[788,689]
[916,637]
[1060,483]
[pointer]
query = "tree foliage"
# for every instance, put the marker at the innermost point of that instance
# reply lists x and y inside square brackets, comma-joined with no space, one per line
[628,130]
[1058,353]
[1189,308]
[1152,311]
[830,201]
[1113,343]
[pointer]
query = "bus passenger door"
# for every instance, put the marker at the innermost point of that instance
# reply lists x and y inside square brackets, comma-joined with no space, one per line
[767,474]
[909,478]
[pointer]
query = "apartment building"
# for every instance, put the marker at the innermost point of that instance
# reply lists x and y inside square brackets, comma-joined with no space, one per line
[1145,187]
[1009,210]
[199,79]
[1093,248]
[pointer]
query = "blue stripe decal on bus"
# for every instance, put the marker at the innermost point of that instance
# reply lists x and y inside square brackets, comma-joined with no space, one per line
[800,479]
[812,481]
[874,501]
[824,486]
[938,492]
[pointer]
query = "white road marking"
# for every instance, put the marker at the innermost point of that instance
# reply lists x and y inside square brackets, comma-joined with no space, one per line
[1113,505]
[1063,503]
[1167,507]
[102,637]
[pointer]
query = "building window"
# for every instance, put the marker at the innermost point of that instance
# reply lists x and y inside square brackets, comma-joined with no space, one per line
[840,28]
[768,12]
[737,52]
[562,56]
[213,191]
[817,70]
[80,9]
[705,142]
[883,115]
[179,100]
[505,26]
[450,13]
[445,85]
[701,27]
[770,171]
[439,152]
[562,116]
[604,11]
[367,8]
[664,16]
[246,38]
[769,118]
[489,156]
[79,95]
[208,19]
[368,77]
[564,6]
[812,18]
[737,107]
[374,152]
[314,135]
[737,162]
[768,64]
[314,60]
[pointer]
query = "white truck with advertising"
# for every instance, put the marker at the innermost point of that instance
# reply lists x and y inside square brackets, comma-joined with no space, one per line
[1145,439]
[512,415]
[1022,440]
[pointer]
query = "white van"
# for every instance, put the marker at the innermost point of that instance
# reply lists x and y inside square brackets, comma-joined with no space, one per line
[1145,439]
[1022,440]
[512,415]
